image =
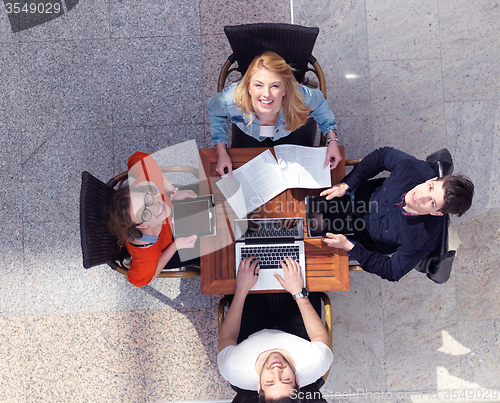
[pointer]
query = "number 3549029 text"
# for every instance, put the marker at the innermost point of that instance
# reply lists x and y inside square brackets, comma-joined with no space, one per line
[32,8]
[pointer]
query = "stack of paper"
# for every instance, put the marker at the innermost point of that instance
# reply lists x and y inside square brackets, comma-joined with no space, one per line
[263,178]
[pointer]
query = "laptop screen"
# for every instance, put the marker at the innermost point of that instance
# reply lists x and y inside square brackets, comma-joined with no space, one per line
[268,228]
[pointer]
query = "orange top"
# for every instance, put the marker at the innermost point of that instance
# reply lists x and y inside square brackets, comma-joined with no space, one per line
[144,262]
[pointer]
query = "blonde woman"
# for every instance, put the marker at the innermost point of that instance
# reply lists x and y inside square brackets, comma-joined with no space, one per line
[269,106]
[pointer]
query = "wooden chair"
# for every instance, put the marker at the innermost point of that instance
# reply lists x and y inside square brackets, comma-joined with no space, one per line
[98,245]
[328,319]
[352,162]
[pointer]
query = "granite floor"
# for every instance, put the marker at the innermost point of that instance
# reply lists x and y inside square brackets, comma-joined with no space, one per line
[85,90]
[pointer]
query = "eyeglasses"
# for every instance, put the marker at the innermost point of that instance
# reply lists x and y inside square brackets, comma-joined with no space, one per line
[149,199]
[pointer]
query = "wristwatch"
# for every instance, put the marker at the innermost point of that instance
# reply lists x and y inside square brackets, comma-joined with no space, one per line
[301,294]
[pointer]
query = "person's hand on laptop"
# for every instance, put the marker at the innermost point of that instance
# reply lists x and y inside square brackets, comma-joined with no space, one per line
[248,274]
[293,281]
[337,190]
[182,194]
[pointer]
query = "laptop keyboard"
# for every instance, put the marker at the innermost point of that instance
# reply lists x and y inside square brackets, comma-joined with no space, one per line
[271,256]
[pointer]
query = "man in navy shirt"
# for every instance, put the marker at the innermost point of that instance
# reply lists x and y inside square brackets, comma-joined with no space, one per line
[402,215]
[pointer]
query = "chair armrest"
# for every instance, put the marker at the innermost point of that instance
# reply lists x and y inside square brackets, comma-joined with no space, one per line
[354,161]
[123,176]
[181,168]
[225,71]
[328,315]
[220,313]
[318,71]
[181,272]
[328,323]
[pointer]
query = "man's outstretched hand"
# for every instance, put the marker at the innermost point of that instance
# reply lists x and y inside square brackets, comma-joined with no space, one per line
[337,190]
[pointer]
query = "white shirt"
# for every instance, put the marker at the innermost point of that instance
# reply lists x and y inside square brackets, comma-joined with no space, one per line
[267,131]
[237,363]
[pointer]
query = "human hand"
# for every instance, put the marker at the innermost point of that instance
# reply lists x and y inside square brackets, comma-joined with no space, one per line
[182,194]
[337,190]
[223,162]
[186,242]
[167,185]
[338,241]
[293,281]
[248,274]
[333,156]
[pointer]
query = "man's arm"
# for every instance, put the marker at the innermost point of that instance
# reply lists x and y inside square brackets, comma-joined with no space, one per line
[247,277]
[293,283]
[315,328]
[391,268]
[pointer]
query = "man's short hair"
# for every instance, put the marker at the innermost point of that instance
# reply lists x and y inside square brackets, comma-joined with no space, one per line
[458,192]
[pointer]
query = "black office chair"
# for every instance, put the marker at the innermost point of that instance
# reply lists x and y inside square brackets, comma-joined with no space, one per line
[438,264]
[294,43]
[99,246]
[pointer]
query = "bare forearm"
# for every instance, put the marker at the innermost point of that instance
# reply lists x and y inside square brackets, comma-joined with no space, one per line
[332,134]
[314,326]
[231,327]
[221,148]
[165,257]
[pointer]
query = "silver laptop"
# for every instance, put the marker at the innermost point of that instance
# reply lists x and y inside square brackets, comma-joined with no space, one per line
[270,239]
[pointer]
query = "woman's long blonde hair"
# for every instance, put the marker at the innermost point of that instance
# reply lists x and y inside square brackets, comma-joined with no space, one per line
[296,113]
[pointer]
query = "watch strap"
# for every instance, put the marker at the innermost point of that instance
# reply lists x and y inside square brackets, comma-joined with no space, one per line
[301,294]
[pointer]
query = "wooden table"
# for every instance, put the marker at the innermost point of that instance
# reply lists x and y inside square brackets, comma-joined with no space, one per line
[327,269]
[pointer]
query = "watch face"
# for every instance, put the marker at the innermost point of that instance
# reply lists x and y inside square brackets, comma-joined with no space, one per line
[301,294]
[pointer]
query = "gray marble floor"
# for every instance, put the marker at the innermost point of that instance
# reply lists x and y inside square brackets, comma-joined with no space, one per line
[419,76]
[87,89]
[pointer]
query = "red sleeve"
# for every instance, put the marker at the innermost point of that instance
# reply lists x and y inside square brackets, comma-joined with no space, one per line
[142,268]
[145,260]
[143,167]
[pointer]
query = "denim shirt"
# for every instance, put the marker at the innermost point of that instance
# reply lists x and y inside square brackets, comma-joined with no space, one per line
[223,106]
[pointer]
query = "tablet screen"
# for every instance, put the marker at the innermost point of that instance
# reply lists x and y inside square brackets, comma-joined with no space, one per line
[328,216]
[192,217]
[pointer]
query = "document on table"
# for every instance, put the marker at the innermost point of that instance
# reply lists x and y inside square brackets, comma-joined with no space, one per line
[303,167]
[253,184]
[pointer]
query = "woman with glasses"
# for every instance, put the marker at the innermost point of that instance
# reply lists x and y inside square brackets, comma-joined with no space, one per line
[139,218]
